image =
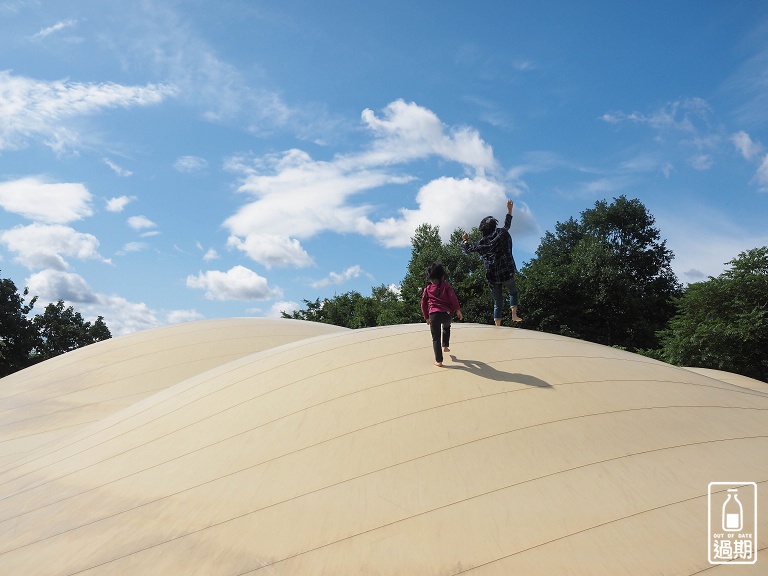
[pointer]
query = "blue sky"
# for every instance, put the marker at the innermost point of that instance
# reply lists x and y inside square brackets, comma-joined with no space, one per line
[165,161]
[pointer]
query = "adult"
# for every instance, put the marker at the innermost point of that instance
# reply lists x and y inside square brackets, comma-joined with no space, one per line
[496,250]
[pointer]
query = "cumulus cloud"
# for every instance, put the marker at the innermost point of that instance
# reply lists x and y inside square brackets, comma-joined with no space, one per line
[449,203]
[51,203]
[54,285]
[190,164]
[46,246]
[407,131]
[237,283]
[275,311]
[118,204]
[140,223]
[121,315]
[293,197]
[34,109]
[272,250]
[338,279]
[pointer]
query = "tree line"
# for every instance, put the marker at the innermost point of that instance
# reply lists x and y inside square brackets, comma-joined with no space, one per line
[26,340]
[605,277]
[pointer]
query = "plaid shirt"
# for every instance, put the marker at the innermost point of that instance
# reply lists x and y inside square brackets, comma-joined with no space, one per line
[496,250]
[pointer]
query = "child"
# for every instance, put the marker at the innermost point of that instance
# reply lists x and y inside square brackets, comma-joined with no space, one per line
[438,303]
[500,268]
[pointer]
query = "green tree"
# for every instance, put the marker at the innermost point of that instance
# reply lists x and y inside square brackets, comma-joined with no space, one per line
[606,278]
[465,272]
[62,330]
[722,323]
[353,310]
[387,306]
[18,336]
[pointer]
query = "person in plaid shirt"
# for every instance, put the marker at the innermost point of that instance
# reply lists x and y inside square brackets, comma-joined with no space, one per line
[500,269]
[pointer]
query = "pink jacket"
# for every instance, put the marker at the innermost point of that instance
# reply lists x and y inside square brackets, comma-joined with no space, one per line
[439,298]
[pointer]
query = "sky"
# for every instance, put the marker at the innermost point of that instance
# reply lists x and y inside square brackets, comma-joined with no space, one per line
[167,161]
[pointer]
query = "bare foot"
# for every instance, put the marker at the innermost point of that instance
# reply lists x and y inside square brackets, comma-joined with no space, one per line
[439,364]
[516,318]
[446,349]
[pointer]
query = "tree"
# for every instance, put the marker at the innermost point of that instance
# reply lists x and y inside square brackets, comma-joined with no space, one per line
[17,333]
[722,323]
[353,310]
[606,278]
[387,306]
[62,330]
[465,272]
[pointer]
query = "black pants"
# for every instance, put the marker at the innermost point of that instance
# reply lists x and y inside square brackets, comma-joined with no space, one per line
[438,321]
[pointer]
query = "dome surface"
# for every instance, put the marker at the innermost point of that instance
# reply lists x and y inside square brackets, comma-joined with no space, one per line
[349,452]
[53,399]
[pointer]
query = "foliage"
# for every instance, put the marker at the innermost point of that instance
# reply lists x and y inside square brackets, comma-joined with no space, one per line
[386,306]
[18,336]
[353,310]
[722,323]
[62,330]
[466,274]
[25,341]
[606,278]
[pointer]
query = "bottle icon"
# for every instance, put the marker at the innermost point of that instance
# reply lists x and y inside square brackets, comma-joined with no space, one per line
[733,512]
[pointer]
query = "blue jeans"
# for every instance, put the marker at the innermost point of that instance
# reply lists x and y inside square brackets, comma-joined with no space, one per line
[498,296]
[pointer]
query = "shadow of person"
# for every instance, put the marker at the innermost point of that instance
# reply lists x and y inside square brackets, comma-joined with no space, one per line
[487,371]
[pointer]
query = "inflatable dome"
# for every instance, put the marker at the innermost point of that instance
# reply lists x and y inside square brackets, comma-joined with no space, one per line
[280,447]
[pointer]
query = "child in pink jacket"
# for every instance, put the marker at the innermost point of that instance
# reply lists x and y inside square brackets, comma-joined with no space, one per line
[438,303]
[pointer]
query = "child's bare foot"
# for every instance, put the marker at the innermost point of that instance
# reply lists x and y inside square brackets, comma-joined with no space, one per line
[516,318]
[446,349]
[439,364]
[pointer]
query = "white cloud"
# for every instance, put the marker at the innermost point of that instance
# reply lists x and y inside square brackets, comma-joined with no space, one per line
[293,194]
[745,145]
[51,203]
[338,279]
[55,28]
[140,223]
[190,164]
[703,240]
[211,254]
[681,115]
[54,285]
[272,250]
[121,315]
[701,162]
[133,247]
[762,175]
[45,246]
[118,204]
[120,171]
[238,283]
[34,109]
[283,306]
[449,203]
[181,316]
[407,132]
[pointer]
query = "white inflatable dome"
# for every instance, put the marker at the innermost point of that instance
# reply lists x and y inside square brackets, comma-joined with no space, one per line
[279,447]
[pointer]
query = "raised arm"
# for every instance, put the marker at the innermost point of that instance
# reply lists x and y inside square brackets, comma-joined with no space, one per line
[508,217]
